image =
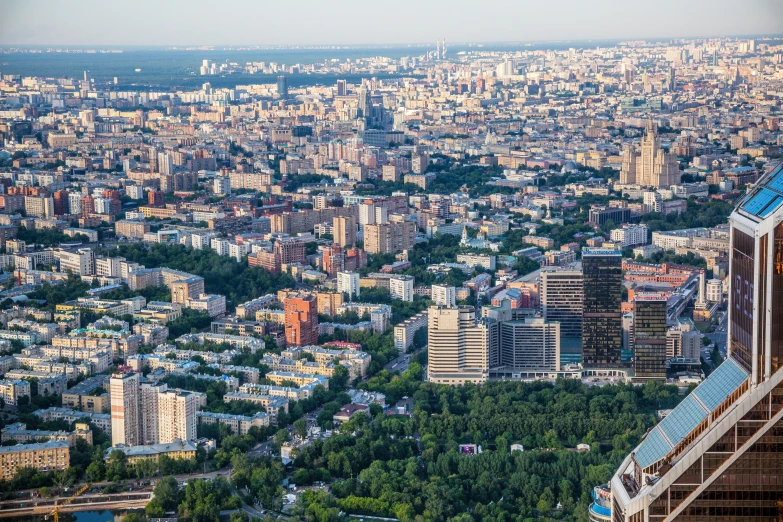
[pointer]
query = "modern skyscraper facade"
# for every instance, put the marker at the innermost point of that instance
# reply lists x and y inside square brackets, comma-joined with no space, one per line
[649,331]
[561,290]
[282,86]
[602,317]
[342,88]
[532,343]
[718,456]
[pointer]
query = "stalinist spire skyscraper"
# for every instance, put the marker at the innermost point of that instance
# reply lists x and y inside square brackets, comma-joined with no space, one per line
[650,166]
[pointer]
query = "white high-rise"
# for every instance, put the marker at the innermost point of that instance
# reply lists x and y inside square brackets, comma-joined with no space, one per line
[366,214]
[458,346]
[348,283]
[444,295]
[401,287]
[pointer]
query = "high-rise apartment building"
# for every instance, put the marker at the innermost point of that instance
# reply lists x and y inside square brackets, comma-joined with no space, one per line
[333,260]
[444,295]
[177,416]
[301,320]
[602,318]
[365,103]
[389,238]
[290,251]
[39,206]
[458,346]
[649,331]
[74,203]
[717,456]
[152,413]
[348,283]
[401,287]
[366,214]
[87,204]
[124,393]
[561,291]
[344,230]
[149,421]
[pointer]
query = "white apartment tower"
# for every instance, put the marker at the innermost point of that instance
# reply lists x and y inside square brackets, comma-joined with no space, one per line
[444,295]
[348,283]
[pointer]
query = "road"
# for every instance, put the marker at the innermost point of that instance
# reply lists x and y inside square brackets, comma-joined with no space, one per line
[40,506]
[719,335]
[400,364]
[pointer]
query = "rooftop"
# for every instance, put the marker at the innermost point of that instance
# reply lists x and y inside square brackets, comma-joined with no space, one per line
[673,429]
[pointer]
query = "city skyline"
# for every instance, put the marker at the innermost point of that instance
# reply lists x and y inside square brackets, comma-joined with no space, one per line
[25,25]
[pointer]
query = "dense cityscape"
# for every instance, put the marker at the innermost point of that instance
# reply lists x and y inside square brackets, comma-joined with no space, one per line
[464,284]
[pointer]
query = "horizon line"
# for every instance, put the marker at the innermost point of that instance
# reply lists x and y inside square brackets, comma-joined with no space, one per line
[400,44]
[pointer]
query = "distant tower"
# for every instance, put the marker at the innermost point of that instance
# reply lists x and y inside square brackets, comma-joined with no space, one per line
[443,51]
[437,49]
[672,82]
[701,300]
[282,86]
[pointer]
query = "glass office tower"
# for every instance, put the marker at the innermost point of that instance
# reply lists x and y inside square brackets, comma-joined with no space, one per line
[649,332]
[602,328]
[718,456]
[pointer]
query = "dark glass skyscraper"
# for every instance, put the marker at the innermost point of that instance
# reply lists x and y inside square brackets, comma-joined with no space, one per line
[282,86]
[718,456]
[649,327]
[602,337]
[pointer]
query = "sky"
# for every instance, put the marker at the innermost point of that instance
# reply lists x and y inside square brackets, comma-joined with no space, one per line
[341,22]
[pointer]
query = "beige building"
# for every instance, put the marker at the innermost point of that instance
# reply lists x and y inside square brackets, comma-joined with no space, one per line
[389,238]
[328,302]
[45,457]
[42,207]
[391,173]
[458,346]
[344,230]
[12,390]
[125,422]
[177,449]
[131,228]
[238,424]
[649,166]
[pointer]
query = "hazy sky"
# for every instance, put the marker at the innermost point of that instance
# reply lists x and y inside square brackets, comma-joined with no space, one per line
[285,22]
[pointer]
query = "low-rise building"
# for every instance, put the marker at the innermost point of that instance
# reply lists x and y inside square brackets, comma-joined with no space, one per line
[44,457]
[238,424]
[177,449]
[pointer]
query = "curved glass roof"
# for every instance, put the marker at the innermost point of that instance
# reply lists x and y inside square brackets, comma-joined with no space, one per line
[766,196]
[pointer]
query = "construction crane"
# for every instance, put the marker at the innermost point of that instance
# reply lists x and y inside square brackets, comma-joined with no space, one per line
[56,511]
